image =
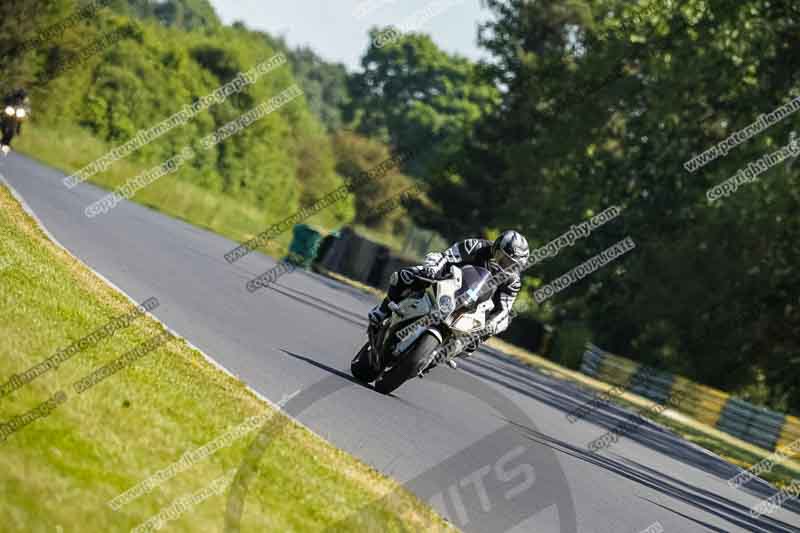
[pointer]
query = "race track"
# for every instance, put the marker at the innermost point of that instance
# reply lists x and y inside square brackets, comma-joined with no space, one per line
[489,444]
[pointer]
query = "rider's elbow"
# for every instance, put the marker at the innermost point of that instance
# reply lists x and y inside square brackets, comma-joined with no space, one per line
[500,326]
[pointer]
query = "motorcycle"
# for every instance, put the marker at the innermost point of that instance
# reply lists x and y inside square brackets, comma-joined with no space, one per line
[11,120]
[450,313]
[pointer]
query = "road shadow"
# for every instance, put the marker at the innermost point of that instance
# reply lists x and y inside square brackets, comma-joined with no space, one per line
[355,292]
[567,396]
[507,501]
[335,371]
[355,319]
[663,483]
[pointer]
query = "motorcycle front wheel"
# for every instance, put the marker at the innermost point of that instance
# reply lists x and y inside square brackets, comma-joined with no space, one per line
[360,366]
[409,366]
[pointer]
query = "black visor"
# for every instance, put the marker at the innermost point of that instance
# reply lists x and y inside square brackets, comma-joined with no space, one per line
[504,260]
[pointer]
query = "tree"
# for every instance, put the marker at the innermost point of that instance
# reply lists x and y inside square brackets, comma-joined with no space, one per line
[604,102]
[411,93]
[356,154]
[324,84]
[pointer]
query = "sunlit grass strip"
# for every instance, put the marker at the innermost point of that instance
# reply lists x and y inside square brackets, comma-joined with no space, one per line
[135,423]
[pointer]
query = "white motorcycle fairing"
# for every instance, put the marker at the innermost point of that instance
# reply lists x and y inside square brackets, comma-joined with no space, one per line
[442,292]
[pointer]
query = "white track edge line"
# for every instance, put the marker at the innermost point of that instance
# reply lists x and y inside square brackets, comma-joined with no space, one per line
[208,358]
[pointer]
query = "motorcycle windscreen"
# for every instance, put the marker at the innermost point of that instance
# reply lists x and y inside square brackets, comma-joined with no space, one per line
[473,281]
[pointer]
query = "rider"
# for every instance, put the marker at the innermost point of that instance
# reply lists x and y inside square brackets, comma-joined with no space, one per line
[13,125]
[509,248]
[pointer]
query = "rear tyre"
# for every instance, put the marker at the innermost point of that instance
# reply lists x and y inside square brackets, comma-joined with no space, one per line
[409,366]
[360,367]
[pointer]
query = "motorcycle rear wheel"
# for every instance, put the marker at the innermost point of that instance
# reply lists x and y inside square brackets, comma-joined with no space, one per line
[408,367]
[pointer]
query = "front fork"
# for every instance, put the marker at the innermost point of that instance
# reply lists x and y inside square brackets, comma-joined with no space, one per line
[376,337]
[445,353]
[448,352]
[373,353]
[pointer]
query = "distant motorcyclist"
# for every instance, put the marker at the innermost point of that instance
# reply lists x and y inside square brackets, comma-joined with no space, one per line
[16,108]
[509,248]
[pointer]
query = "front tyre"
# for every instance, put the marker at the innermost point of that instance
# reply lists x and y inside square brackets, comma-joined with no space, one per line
[409,366]
[360,366]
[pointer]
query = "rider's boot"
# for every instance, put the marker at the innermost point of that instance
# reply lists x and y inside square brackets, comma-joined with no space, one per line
[379,313]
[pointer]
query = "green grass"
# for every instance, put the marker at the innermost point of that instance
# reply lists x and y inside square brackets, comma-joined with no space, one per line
[62,469]
[779,476]
[69,148]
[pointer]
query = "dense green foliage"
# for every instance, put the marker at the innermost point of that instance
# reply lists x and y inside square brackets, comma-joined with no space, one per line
[599,103]
[583,105]
[276,163]
[325,85]
[356,154]
[411,90]
[605,101]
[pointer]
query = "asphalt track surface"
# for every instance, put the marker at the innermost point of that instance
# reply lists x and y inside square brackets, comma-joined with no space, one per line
[488,445]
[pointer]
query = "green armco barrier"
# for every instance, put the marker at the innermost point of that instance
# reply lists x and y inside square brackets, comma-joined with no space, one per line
[790,432]
[304,246]
[756,425]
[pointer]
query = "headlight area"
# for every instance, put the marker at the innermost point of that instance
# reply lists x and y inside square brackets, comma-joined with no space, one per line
[21,112]
[10,111]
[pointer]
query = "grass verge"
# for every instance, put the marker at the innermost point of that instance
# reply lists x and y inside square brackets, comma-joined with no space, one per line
[70,148]
[62,469]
